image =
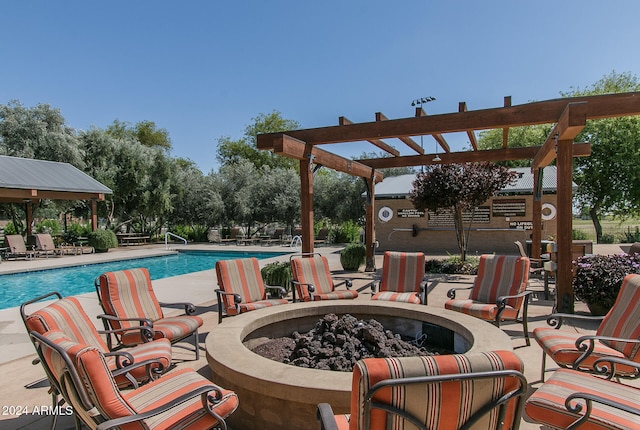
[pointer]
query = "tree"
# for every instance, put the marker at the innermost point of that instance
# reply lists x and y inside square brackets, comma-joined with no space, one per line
[530,135]
[459,187]
[145,132]
[608,180]
[39,132]
[232,151]
[338,196]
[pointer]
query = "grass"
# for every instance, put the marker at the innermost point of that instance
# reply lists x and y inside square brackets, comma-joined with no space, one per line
[610,226]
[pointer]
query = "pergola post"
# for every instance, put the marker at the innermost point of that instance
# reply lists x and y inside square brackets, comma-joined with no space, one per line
[369,233]
[306,204]
[536,234]
[28,209]
[564,274]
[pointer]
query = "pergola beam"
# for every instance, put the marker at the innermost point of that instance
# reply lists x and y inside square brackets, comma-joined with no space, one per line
[524,153]
[377,142]
[404,139]
[19,195]
[569,125]
[545,112]
[288,146]
[505,130]
[462,107]
[437,136]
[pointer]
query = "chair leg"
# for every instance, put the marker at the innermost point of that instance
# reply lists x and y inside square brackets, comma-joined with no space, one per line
[544,366]
[196,344]
[525,320]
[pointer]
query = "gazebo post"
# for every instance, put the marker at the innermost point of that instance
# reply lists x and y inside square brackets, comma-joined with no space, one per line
[28,209]
[536,234]
[564,274]
[94,215]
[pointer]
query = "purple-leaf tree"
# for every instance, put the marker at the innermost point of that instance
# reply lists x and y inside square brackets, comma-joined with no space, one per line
[459,187]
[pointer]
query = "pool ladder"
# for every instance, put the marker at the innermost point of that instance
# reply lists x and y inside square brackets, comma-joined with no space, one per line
[166,239]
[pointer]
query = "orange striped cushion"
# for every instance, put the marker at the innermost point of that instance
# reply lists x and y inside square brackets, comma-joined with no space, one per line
[67,316]
[397,297]
[187,415]
[313,270]
[337,295]
[546,404]
[171,328]
[623,320]
[245,307]
[129,294]
[402,271]
[241,277]
[500,275]
[443,405]
[480,310]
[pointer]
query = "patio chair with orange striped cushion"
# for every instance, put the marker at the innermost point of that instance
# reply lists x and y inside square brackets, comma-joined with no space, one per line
[66,315]
[572,399]
[312,280]
[402,278]
[618,335]
[180,399]
[479,391]
[498,292]
[242,288]
[128,301]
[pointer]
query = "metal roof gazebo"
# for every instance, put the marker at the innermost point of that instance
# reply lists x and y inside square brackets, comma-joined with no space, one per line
[568,114]
[26,180]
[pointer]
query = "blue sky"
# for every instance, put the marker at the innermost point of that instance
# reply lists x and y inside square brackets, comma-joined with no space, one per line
[204,69]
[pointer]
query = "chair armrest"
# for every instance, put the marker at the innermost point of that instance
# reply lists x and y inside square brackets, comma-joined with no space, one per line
[607,366]
[452,292]
[582,404]
[278,290]
[587,344]
[125,363]
[145,331]
[189,308]
[203,392]
[326,417]
[236,297]
[557,319]
[145,321]
[347,282]
[310,287]
[501,301]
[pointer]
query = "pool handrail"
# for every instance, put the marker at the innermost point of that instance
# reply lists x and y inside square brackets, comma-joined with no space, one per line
[166,239]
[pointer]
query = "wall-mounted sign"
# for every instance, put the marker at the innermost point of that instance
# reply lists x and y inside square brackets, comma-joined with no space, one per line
[509,207]
[444,218]
[548,211]
[521,225]
[410,213]
[385,214]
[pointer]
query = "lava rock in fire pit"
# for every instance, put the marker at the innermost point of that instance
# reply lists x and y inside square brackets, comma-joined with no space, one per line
[336,343]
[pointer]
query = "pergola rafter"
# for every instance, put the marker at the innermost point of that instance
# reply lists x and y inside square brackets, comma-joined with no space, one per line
[568,114]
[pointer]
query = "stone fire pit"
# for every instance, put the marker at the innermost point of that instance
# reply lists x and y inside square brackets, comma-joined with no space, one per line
[275,395]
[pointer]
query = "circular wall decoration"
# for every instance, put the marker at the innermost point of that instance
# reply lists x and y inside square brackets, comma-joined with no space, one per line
[385,214]
[548,211]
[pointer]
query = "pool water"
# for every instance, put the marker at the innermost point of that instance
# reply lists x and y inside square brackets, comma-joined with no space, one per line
[18,288]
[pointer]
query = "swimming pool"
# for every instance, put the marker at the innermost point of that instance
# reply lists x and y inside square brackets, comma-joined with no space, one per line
[17,288]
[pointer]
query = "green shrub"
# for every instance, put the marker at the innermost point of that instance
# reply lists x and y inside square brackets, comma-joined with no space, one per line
[277,274]
[631,236]
[75,231]
[352,256]
[50,226]
[453,265]
[598,278]
[10,228]
[347,232]
[102,240]
[578,234]
[607,238]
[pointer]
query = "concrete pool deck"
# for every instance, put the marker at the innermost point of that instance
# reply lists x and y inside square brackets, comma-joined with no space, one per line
[25,385]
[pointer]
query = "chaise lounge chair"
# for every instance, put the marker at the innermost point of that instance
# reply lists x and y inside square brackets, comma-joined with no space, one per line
[128,301]
[17,248]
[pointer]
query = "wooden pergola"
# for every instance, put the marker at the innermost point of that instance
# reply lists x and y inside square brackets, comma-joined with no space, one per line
[568,114]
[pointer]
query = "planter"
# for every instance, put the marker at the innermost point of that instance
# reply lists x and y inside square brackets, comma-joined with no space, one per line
[598,309]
